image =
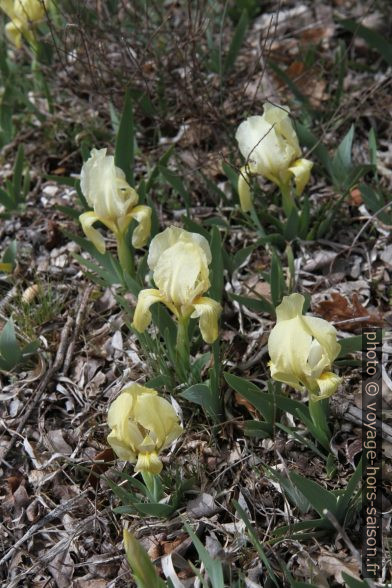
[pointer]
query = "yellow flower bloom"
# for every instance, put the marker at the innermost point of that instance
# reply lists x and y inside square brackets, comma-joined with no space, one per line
[271,149]
[23,14]
[302,350]
[179,261]
[114,201]
[142,425]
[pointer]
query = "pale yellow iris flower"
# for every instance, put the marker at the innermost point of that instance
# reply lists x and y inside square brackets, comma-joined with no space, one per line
[270,147]
[23,14]
[302,350]
[114,201]
[142,424]
[179,261]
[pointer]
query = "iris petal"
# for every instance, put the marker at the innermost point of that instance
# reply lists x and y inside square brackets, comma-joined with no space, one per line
[208,311]
[302,349]
[87,219]
[325,334]
[301,170]
[328,384]
[169,237]
[142,316]
[290,307]
[142,214]
[157,415]
[244,190]
[288,346]
[270,146]
[142,424]
[148,462]
[182,273]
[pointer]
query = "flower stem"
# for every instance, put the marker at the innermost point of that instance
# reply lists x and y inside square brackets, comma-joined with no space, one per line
[182,348]
[149,480]
[35,67]
[125,255]
[287,200]
[318,410]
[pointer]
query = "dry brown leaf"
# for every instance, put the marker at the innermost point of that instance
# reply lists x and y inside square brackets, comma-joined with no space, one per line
[241,401]
[14,481]
[320,260]
[316,34]
[57,443]
[334,564]
[256,288]
[343,311]
[355,198]
[308,81]
[203,505]
[296,69]
[195,133]
[62,569]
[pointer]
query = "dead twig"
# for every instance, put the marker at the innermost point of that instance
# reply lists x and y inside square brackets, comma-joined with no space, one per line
[78,324]
[54,514]
[375,215]
[58,362]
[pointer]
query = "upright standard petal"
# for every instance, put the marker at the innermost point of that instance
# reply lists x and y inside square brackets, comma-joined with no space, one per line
[265,149]
[169,237]
[208,310]
[13,30]
[158,417]
[302,349]
[318,360]
[7,6]
[244,190]
[181,273]
[288,346]
[252,136]
[325,334]
[301,170]
[290,307]
[142,214]
[271,149]
[89,174]
[142,316]
[123,438]
[30,10]
[105,188]
[279,116]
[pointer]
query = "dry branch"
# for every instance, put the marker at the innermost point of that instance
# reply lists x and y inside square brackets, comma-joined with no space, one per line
[58,362]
